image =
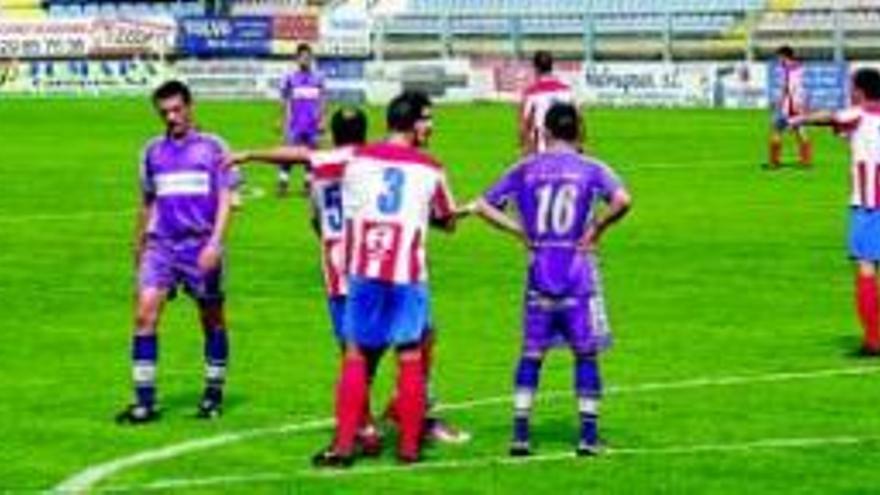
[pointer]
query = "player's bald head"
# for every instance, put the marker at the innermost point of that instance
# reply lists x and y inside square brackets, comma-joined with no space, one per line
[563,122]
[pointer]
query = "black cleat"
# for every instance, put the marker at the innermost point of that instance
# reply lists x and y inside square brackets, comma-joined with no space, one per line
[209,409]
[585,449]
[408,459]
[867,352]
[137,414]
[331,459]
[520,449]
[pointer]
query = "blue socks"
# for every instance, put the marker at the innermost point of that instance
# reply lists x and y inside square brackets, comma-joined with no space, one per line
[144,354]
[216,356]
[526,381]
[588,388]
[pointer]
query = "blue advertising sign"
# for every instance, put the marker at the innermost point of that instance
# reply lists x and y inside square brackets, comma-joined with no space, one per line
[250,35]
[826,84]
[342,68]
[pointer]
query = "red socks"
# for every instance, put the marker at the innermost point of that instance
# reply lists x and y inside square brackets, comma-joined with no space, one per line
[805,151]
[869,312]
[775,152]
[410,406]
[351,398]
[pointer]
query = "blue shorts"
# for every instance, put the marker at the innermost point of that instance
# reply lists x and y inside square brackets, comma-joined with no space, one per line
[864,234]
[302,138]
[381,314]
[336,306]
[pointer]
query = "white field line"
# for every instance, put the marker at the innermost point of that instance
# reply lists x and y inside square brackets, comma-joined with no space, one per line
[84,480]
[498,461]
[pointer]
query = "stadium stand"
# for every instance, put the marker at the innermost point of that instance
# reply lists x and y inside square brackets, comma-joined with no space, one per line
[22,9]
[80,8]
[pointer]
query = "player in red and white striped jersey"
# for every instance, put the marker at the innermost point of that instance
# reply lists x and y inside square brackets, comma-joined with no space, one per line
[393,192]
[792,103]
[543,93]
[861,125]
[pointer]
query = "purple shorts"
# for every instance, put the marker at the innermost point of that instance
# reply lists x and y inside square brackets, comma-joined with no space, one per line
[166,266]
[576,321]
[301,138]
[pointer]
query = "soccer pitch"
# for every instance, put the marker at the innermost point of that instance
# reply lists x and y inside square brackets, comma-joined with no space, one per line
[728,286]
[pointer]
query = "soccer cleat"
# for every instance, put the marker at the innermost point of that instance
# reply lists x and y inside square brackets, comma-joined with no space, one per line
[520,448]
[330,458]
[439,431]
[137,414]
[370,441]
[867,351]
[409,458]
[585,449]
[209,409]
[283,190]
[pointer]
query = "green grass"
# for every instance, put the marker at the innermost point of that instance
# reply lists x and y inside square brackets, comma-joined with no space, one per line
[721,270]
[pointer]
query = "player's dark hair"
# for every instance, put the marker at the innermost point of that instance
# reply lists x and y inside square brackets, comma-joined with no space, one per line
[563,122]
[406,109]
[170,89]
[349,126]
[543,62]
[868,81]
[785,51]
[303,48]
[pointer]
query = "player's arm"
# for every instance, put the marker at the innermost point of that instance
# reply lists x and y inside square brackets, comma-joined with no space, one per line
[818,118]
[443,210]
[209,257]
[494,216]
[619,205]
[281,155]
[141,219]
[526,123]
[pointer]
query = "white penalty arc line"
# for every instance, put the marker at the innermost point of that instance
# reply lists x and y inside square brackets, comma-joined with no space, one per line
[84,480]
[498,461]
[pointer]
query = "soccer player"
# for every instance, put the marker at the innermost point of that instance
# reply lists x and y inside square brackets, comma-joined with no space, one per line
[181,226]
[392,191]
[302,94]
[792,103]
[860,123]
[554,193]
[538,97]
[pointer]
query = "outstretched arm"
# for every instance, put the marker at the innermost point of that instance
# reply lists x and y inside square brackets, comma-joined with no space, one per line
[281,155]
[496,217]
[822,117]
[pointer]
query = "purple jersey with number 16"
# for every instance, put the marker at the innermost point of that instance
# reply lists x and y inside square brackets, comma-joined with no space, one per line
[554,193]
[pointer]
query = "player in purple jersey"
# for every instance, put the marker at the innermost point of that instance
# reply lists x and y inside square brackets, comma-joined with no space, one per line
[554,193]
[181,225]
[302,95]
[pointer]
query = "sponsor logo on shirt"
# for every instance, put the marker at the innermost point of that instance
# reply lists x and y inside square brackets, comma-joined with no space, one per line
[183,184]
[306,93]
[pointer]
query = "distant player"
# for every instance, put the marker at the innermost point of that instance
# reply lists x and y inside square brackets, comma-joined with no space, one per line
[182,222]
[554,193]
[302,94]
[392,191]
[860,123]
[792,102]
[537,99]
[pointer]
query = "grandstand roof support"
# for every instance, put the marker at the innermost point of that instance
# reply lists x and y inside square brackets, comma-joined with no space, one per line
[589,37]
[516,41]
[839,37]
[667,37]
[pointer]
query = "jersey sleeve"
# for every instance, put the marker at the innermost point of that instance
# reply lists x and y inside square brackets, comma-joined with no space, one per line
[606,182]
[227,178]
[500,193]
[285,88]
[147,182]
